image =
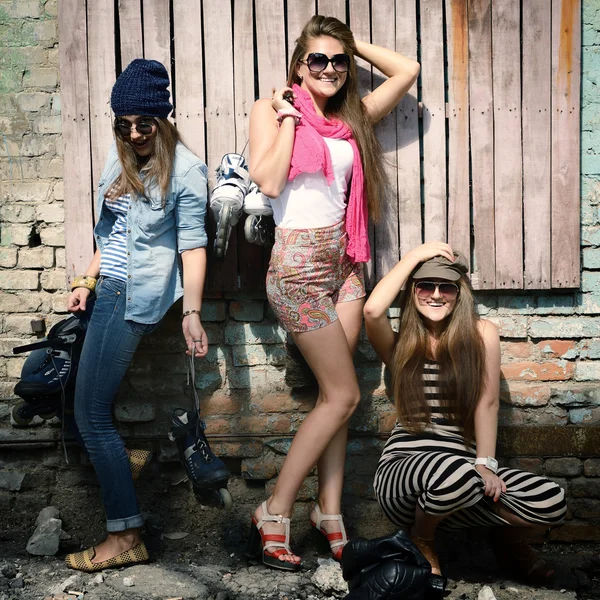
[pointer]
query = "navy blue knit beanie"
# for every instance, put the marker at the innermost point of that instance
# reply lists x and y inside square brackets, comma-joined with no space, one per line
[141,89]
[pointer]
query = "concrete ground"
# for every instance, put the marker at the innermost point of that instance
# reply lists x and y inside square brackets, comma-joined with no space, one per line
[198,553]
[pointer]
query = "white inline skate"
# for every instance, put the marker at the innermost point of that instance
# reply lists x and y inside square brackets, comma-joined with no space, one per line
[227,198]
[259,227]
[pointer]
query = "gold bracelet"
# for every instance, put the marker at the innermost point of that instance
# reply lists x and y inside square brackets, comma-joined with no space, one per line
[190,312]
[84,281]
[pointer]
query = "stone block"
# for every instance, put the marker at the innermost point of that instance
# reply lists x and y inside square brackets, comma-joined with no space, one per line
[523,394]
[588,304]
[532,371]
[252,355]
[36,258]
[134,413]
[11,481]
[590,281]
[51,168]
[583,487]
[522,305]
[244,333]
[51,124]
[11,302]
[221,403]
[41,78]
[59,256]
[556,304]
[18,324]
[263,467]
[22,9]
[8,257]
[45,32]
[17,213]
[564,327]
[10,234]
[510,327]
[556,348]
[32,101]
[581,396]
[575,531]
[54,279]
[512,350]
[591,258]
[587,371]
[51,8]
[591,467]
[584,416]
[250,310]
[35,145]
[213,311]
[19,280]
[531,465]
[58,191]
[53,236]
[280,403]
[257,379]
[585,508]
[31,191]
[564,467]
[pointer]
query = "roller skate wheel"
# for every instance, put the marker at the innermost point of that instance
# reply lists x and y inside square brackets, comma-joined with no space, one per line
[226,498]
[20,418]
[223,231]
[250,228]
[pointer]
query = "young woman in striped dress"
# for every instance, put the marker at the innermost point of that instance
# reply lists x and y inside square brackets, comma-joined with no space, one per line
[438,467]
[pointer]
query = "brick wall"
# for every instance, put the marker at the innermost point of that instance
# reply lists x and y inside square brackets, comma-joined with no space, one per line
[550,415]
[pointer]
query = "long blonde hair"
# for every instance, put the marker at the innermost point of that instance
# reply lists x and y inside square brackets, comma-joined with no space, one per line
[346,105]
[460,353]
[156,171]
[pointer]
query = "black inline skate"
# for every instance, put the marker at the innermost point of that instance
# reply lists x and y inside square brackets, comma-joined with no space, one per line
[48,375]
[206,471]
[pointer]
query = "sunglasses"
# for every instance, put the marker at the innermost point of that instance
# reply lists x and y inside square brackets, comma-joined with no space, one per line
[426,289]
[143,127]
[316,62]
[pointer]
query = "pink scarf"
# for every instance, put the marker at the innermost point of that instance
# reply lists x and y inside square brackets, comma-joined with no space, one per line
[311,154]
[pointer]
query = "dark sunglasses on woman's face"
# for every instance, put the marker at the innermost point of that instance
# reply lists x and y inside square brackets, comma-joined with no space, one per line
[316,62]
[426,289]
[143,127]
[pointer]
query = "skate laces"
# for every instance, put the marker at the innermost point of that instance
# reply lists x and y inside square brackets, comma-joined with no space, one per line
[200,445]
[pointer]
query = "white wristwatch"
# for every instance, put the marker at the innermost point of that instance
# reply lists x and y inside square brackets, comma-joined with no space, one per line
[490,463]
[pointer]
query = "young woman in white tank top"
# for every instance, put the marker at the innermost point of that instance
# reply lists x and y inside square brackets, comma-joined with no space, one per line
[314,152]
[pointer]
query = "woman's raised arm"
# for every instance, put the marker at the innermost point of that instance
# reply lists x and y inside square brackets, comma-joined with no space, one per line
[401,72]
[381,335]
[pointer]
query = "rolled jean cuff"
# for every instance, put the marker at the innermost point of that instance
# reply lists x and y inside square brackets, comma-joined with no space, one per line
[113,525]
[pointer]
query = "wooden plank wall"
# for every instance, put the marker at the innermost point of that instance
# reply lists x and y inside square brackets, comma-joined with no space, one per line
[489,163]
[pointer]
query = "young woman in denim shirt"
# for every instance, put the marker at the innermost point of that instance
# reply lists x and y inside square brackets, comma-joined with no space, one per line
[151,243]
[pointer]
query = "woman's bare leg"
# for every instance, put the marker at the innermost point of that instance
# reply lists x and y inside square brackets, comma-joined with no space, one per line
[327,353]
[330,466]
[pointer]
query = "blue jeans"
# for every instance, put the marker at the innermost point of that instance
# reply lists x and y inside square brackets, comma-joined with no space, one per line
[109,346]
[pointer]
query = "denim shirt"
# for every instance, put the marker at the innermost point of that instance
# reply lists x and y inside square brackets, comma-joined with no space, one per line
[157,234]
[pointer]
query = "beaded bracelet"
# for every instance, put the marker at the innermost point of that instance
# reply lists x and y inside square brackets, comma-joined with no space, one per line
[190,312]
[84,281]
[282,113]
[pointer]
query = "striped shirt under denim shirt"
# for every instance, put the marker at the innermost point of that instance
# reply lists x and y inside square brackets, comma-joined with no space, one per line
[113,258]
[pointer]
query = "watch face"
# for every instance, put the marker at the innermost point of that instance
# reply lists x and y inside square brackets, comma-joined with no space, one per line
[492,464]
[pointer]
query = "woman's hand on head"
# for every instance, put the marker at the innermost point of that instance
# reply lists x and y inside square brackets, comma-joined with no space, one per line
[195,337]
[279,101]
[429,250]
[494,486]
[77,300]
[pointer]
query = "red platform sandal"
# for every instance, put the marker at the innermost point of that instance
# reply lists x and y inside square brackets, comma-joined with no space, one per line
[337,539]
[261,543]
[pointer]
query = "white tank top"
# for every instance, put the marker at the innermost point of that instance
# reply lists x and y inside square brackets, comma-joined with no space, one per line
[308,201]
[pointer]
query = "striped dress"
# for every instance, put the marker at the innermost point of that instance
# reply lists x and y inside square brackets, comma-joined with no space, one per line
[436,469]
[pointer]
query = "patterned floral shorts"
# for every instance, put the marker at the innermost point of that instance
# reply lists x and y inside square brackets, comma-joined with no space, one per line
[309,274]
